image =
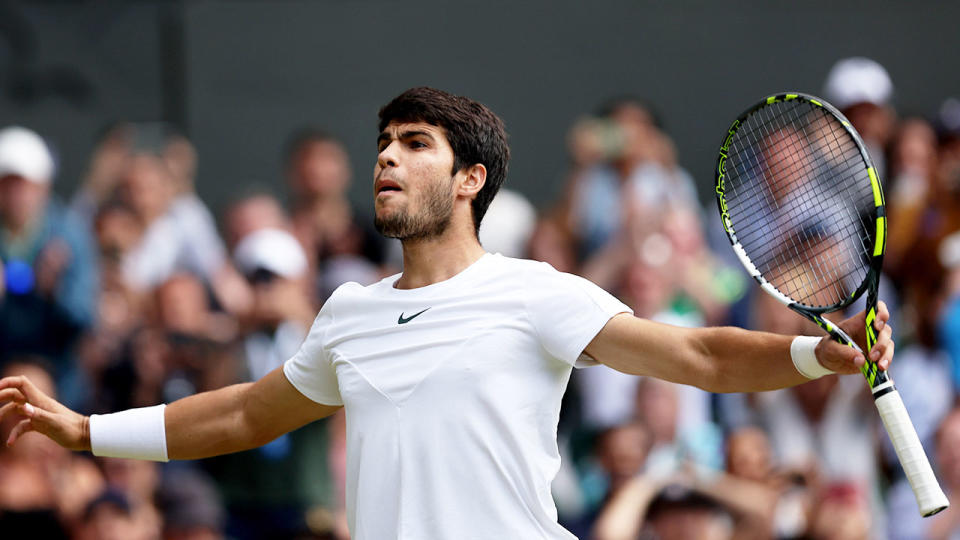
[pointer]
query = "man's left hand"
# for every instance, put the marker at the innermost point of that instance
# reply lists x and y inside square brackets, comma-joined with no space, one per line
[844,359]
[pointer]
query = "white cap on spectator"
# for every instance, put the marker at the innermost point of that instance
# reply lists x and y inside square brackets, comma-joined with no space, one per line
[508,224]
[858,80]
[274,250]
[23,153]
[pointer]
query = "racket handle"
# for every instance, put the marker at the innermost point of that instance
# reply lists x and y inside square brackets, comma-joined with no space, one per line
[930,497]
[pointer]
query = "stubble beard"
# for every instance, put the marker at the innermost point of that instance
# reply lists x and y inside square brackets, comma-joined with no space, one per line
[431,222]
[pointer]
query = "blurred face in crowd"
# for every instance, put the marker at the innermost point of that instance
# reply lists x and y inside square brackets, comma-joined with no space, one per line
[948,450]
[842,514]
[182,305]
[914,151]
[787,161]
[648,284]
[146,186]
[413,184]
[688,523]
[118,231]
[181,158]
[748,454]
[108,522]
[21,201]
[136,478]
[875,123]
[637,131]
[253,214]
[275,298]
[623,450]
[657,406]
[767,314]
[320,167]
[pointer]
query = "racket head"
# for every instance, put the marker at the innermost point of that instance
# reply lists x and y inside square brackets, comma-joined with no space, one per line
[801,202]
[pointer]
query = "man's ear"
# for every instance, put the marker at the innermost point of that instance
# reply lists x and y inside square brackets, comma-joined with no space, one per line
[473,180]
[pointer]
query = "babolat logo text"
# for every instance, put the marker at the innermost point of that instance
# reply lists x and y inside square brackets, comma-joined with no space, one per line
[730,133]
[721,177]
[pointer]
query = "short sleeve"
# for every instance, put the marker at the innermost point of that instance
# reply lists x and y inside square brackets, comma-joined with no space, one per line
[311,370]
[568,312]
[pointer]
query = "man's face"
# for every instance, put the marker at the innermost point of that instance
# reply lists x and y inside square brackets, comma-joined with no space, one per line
[21,201]
[321,168]
[413,183]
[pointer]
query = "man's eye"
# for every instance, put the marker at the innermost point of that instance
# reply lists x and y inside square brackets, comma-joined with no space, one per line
[417,144]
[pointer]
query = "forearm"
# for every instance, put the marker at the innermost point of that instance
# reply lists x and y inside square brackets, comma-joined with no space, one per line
[717,359]
[210,424]
[229,419]
[738,360]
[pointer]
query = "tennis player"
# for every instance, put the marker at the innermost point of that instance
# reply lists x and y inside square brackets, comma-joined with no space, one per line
[451,373]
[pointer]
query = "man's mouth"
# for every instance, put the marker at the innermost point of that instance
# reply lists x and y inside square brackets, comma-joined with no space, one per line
[384,186]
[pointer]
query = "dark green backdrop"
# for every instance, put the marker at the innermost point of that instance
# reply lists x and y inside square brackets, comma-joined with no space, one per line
[239,76]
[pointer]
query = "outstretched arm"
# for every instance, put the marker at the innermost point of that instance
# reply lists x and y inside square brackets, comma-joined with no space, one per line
[726,359]
[222,421]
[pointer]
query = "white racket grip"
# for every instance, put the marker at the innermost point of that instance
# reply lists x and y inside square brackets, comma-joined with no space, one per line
[930,497]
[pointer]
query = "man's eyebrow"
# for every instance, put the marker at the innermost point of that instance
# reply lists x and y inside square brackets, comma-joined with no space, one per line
[384,136]
[416,133]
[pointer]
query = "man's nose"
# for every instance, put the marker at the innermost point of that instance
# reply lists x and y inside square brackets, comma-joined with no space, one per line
[387,156]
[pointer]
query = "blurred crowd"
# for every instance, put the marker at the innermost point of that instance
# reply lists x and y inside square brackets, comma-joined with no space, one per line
[132,293]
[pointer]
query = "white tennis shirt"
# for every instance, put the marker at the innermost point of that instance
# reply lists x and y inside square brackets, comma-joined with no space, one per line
[452,396]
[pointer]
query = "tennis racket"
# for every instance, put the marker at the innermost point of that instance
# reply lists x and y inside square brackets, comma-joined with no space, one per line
[801,203]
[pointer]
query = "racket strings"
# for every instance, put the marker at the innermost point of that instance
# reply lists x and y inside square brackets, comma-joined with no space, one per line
[799,199]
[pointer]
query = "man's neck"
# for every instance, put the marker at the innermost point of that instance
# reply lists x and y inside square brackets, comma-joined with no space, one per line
[426,262]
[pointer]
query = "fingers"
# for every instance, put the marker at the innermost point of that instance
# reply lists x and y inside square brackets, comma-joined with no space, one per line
[883,315]
[6,409]
[24,426]
[840,358]
[12,394]
[882,352]
[27,392]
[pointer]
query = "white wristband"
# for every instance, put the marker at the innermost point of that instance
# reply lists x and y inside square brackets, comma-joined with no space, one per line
[134,434]
[803,353]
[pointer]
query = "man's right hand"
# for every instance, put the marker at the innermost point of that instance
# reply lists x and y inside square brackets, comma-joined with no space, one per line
[43,414]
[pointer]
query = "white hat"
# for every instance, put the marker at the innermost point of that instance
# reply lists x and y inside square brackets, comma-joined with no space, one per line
[858,80]
[274,250]
[508,224]
[23,153]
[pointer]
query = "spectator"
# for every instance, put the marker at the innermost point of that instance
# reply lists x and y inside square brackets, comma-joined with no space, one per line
[551,243]
[178,233]
[269,491]
[43,489]
[619,455]
[508,224]
[47,258]
[665,511]
[199,356]
[191,507]
[131,489]
[103,173]
[333,231]
[678,514]
[622,158]
[946,525]
[862,89]
[253,211]
[842,513]
[108,517]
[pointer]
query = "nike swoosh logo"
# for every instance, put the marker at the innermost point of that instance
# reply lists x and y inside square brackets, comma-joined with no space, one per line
[405,320]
